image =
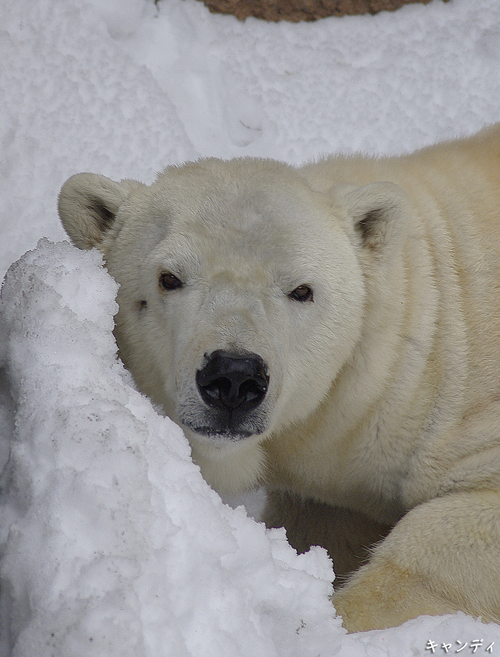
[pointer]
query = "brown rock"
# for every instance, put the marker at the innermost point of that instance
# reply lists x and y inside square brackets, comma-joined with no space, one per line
[303,10]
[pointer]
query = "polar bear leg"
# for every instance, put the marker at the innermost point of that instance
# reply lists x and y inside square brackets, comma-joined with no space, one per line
[441,557]
[347,535]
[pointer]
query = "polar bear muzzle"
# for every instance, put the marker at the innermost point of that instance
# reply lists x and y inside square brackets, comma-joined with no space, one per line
[232,385]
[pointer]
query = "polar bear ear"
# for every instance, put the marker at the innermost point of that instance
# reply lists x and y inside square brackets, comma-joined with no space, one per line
[88,204]
[378,211]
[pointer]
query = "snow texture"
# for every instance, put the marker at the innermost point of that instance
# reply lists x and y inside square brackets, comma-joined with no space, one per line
[117,546]
[112,543]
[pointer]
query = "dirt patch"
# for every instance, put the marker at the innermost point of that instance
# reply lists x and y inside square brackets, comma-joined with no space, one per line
[303,10]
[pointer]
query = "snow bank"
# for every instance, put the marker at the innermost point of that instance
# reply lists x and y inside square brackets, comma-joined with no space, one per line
[117,546]
[71,101]
[377,84]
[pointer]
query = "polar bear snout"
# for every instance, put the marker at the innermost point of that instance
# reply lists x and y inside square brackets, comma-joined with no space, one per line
[231,387]
[233,382]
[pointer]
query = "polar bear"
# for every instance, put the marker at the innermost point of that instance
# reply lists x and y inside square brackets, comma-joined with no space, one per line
[332,333]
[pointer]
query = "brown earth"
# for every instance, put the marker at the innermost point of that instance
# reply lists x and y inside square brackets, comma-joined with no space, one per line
[303,10]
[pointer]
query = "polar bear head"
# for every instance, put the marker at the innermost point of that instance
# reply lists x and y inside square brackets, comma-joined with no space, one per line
[242,290]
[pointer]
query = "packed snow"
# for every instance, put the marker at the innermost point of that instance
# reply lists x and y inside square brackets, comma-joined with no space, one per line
[113,545]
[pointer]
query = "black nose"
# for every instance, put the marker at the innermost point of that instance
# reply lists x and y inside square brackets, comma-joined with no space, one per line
[233,381]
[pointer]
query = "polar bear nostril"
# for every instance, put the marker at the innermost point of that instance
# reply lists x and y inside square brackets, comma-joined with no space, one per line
[233,381]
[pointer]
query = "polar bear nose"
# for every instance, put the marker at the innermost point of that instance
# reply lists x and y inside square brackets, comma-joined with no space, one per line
[231,381]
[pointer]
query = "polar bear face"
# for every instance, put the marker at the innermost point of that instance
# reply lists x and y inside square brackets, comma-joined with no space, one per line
[242,290]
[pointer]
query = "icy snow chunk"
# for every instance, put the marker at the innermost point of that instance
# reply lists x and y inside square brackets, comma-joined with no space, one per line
[114,544]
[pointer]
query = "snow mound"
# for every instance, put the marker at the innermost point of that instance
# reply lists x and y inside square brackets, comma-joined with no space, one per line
[117,546]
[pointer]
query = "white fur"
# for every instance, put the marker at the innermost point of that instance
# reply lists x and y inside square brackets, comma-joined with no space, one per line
[382,413]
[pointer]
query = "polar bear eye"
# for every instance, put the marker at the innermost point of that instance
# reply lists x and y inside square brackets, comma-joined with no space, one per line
[168,281]
[301,293]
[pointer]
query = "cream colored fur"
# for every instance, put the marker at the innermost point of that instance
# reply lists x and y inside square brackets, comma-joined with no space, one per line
[382,417]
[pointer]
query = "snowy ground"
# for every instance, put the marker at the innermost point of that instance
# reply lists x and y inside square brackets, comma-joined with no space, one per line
[113,544]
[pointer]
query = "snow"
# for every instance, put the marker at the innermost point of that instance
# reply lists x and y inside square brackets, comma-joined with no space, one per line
[113,544]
